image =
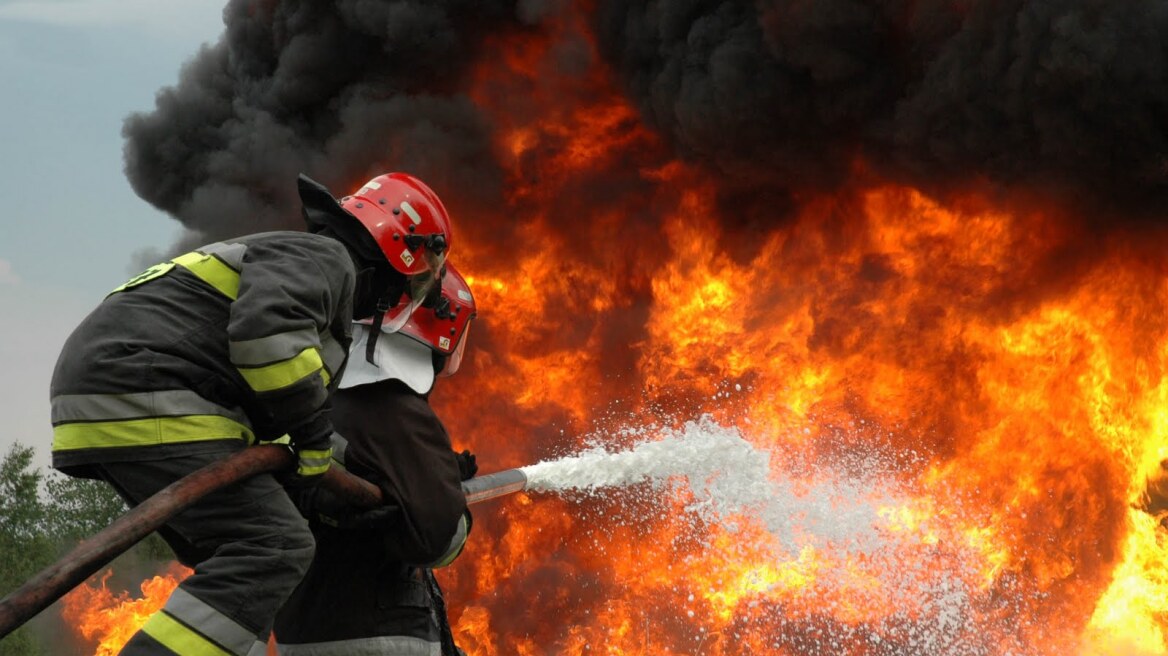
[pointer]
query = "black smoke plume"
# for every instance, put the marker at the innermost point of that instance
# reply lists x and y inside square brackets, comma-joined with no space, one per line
[338,89]
[1065,98]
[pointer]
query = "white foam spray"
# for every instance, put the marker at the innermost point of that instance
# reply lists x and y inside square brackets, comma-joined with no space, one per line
[729,478]
[843,510]
[727,474]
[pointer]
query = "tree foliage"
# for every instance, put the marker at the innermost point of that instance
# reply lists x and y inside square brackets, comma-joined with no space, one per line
[22,542]
[42,517]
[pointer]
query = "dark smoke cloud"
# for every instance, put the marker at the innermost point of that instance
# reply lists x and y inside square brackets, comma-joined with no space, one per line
[341,90]
[1064,97]
[1067,97]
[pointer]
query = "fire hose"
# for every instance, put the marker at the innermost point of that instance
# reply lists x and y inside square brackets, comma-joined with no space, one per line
[95,552]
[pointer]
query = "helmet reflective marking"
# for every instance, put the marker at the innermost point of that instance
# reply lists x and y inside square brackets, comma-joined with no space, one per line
[411,212]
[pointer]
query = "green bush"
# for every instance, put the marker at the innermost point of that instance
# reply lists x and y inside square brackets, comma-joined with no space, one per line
[42,517]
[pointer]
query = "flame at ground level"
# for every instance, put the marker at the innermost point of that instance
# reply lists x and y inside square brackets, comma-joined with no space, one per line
[109,618]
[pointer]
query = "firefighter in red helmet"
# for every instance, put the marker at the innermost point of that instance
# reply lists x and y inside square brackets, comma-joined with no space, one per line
[238,342]
[370,589]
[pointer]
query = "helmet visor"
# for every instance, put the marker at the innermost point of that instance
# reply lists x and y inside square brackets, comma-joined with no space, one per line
[422,289]
[454,360]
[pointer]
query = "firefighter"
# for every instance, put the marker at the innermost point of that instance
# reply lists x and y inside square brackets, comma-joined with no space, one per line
[234,343]
[370,589]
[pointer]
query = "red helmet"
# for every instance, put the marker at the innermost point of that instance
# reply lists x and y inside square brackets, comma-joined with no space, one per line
[411,226]
[444,324]
[406,218]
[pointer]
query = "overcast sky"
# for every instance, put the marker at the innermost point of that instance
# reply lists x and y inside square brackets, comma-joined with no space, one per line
[71,228]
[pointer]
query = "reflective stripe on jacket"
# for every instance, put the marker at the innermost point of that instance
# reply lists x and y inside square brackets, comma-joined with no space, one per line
[236,340]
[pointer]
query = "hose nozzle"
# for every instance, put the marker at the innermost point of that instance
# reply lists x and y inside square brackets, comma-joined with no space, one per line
[482,488]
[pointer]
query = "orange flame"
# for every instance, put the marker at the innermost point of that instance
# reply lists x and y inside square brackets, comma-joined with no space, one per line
[110,618]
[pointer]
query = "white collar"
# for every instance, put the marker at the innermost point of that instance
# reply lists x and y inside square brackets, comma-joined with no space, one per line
[398,357]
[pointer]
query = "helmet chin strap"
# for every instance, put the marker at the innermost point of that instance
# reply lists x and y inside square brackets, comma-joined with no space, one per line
[384,304]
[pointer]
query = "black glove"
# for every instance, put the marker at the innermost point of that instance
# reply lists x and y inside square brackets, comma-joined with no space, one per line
[321,505]
[467,467]
[313,446]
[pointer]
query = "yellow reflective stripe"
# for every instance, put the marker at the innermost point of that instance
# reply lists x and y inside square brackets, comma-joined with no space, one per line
[147,431]
[191,611]
[180,639]
[136,405]
[282,374]
[312,471]
[313,462]
[456,545]
[146,276]
[273,348]
[448,559]
[212,271]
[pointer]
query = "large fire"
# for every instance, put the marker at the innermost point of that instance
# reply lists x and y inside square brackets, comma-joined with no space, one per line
[1019,398]
[995,380]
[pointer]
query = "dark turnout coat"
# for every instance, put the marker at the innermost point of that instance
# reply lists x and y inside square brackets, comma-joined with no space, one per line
[235,342]
[367,590]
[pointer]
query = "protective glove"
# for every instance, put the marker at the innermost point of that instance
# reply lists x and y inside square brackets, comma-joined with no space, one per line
[467,467]
[313,447]
[321,505]
[384,518]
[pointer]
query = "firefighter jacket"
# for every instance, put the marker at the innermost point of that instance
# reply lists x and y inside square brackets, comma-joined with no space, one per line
[234,342]
[369,591]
